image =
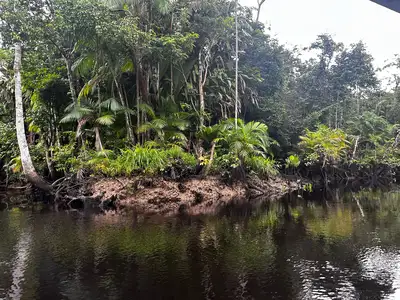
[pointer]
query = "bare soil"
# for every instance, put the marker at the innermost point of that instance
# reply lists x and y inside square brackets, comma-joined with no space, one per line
[192,196]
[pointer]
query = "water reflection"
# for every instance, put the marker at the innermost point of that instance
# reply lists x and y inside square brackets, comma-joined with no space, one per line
[346,248]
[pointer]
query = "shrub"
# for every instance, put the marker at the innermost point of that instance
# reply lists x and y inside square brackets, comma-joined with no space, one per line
[145,159]
[293,161]
[261,165]
[325,145]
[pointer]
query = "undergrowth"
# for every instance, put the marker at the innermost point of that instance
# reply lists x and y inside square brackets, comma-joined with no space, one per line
[145,159]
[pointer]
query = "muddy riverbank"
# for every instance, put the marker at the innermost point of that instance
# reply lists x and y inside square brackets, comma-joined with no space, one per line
[157,195]
[194,195]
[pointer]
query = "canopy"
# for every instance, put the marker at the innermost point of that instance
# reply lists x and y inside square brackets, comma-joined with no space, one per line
[391,4]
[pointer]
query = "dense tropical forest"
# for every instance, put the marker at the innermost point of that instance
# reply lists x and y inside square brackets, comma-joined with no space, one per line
[149,87]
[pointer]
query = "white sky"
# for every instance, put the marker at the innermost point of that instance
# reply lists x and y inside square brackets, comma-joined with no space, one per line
[298,22]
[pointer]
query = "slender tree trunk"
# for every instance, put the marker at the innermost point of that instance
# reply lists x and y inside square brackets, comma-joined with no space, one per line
[130,135]
[355,148]
[27,165]
[172,65]
[236,65]
[50,165]
[71,82]
[201,93]
[158,82]
[213,144]
[98,143]
[202,106]
[138,104]
[49,158]
[145,82]
[172,80]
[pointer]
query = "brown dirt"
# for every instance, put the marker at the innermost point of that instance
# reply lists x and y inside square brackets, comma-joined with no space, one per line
[192,196]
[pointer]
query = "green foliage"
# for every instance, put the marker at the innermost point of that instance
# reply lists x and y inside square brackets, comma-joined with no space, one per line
[261,165]
[168,129]
[245,145]
[64,158]
[138,160]
[127,76]
[226,162]
[8,142]
[325,145]
[376,140]
[308,187]
[247,139]
[293,161]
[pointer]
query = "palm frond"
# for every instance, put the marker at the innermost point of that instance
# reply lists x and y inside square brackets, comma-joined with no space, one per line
[112,104]
[106,120]
[144,128]
[158,123]
[88,88]
[147,109]
[76,114]
[84,64]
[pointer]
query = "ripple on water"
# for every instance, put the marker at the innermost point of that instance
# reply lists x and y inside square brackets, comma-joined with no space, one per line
[322,280]
[382,265]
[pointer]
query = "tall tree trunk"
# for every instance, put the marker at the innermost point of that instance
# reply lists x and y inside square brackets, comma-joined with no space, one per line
[130,135]
[137,104]
[208,168]
[70,75]
[158,83]
[50,165]
[355,148]
[172,80]
[98,143]
[27,165]
[201,92]
[49,159]
[172,65]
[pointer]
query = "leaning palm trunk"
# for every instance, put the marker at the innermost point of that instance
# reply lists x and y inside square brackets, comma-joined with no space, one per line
[27,165]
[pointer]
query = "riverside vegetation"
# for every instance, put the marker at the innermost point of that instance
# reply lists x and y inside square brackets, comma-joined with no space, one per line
[146,89]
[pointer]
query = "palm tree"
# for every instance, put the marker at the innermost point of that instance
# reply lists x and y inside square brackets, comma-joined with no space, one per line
[26,160]
[141,12]
[210,134]
[243,140]
[102,64]
[246,139]
[166,127]
[100,113]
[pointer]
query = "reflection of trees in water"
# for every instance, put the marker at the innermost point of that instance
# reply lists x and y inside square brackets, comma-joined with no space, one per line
[282,249]
[330,256]
[237,251]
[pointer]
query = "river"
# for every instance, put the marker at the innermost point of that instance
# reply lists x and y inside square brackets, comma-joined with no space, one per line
[344,248]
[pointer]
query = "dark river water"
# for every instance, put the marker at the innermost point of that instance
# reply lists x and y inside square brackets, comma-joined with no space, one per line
[344,248]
